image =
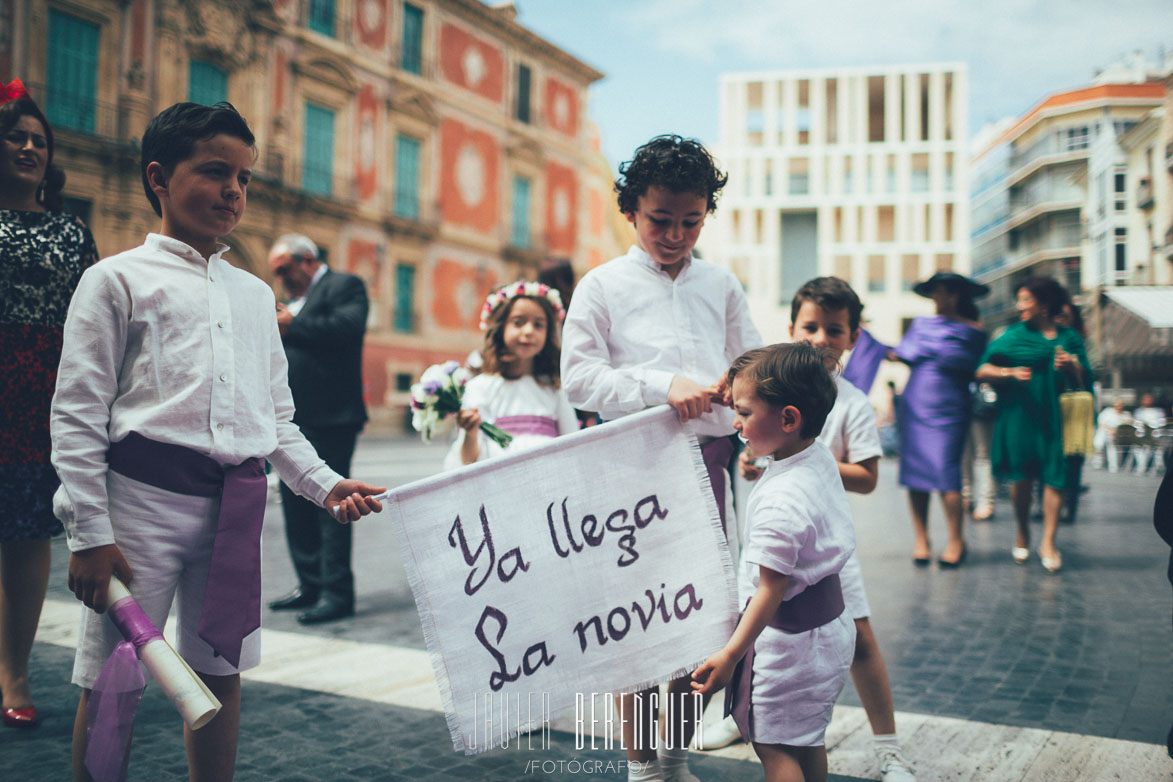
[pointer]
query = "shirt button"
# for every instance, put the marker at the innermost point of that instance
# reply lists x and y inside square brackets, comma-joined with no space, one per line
[223,377]
[219,324]
[219,427]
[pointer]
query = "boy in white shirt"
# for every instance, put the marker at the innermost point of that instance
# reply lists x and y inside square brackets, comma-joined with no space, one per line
[659,325]
[826,312]
[170,394]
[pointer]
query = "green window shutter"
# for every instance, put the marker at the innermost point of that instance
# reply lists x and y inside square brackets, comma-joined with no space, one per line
[521,192]
[523,90]
[407,178]
[206,83]
[404,298]
[322,17]
[317,168]
[71,72]
[411,55]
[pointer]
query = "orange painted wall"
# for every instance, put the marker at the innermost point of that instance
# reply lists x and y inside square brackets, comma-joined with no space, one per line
[561,209]
[458,290]
[459,49]
[564,119]
[469,164]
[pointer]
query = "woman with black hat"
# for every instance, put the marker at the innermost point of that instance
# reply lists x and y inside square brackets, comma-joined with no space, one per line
[1033,362]
[942,352]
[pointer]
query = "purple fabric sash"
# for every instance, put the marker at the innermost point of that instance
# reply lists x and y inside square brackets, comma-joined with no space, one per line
[717,454]
[813,607]
[116,694]
[232,598]
[528,424]
[865,361]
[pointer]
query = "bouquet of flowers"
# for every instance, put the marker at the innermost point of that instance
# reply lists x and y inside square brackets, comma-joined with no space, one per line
[436,398]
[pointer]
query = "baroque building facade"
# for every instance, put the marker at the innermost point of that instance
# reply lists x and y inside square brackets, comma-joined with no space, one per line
[436,148]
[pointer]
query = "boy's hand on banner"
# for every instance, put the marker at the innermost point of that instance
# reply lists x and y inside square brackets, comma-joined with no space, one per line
[90,571]
[691,400]
[351,499]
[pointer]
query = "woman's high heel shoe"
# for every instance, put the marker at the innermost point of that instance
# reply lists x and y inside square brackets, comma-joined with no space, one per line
[1021,554]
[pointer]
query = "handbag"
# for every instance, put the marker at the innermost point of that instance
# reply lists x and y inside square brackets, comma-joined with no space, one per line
[1079,422]
[985,402]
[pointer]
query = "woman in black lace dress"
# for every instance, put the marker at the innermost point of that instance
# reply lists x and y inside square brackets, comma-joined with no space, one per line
[42,255]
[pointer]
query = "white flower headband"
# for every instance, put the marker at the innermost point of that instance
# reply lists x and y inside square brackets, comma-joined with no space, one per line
[521,288]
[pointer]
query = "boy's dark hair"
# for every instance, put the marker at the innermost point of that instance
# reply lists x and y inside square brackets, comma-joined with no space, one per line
[1050,295]
[546,363]
[49,192]
[172,135]
[681,165]
[830,293]
[790,373]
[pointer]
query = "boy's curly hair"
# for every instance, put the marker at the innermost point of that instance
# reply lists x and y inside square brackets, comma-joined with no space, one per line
[546,363]
[790,373]
[681,165]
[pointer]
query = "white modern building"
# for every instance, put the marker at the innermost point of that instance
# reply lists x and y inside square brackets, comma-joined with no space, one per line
[861,173]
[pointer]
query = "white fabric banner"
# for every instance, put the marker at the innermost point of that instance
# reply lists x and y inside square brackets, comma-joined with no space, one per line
[592,564]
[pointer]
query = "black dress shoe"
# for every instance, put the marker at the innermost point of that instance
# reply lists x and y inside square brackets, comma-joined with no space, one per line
[295,599]
[325,612]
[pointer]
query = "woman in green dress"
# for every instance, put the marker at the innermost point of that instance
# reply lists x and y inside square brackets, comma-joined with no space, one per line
[1032,363]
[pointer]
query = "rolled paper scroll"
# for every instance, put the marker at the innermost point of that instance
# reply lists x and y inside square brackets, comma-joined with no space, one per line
[187,692]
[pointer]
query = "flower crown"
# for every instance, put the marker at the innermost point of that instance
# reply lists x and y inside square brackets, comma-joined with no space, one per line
[14,90]
[521,288]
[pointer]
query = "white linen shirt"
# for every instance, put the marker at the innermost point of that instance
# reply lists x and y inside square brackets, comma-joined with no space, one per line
[850,431]
[182,350]
[631,328]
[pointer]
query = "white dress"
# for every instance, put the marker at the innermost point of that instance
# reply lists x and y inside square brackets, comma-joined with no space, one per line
[798,523]
[530,411]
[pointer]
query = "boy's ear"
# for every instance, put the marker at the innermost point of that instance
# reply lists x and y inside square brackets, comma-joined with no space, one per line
[791,419]
[630,217]
[157,179]
[791,327]
[854,337]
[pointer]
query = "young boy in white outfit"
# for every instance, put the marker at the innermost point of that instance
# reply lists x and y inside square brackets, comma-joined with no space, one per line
[171,392]
[826,312]
[658,325]
[789,656]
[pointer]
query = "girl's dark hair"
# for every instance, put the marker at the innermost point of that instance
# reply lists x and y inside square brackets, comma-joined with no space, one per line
[790,373]
[966,307]
[172,135]
[546,363]
[49,192]
[681,165]
[1048,293]
[1077,324]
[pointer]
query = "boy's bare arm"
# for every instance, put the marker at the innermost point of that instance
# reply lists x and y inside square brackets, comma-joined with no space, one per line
[90,570]
[715,672]
[860,477]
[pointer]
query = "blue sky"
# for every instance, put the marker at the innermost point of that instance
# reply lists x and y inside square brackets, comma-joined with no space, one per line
[663,57]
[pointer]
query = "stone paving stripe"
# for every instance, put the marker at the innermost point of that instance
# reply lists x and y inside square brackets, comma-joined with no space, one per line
[941,748]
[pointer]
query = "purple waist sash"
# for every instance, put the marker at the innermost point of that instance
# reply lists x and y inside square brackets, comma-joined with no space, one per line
[232,597]
[528,424]
[814,607]
[717,453]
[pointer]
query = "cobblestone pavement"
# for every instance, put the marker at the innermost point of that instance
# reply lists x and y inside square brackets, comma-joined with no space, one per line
[1086,651]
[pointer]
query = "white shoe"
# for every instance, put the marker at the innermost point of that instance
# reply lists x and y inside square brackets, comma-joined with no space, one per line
[893,766]
[717,734]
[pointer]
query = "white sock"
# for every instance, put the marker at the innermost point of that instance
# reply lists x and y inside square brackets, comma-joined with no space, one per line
[674,764]
[648,771]
[886,740]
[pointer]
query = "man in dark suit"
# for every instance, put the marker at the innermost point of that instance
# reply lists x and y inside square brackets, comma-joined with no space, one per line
[322,327]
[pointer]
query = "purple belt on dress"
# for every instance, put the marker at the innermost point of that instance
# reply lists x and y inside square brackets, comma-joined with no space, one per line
[717,453]
[528,424]
[232,597]
[814,607]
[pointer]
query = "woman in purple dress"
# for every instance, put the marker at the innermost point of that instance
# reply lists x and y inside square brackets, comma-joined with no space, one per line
[942,353]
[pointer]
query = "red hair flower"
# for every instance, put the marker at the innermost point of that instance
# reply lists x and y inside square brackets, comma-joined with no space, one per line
[12,91]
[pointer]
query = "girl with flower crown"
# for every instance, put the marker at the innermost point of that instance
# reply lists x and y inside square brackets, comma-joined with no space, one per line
[519,389]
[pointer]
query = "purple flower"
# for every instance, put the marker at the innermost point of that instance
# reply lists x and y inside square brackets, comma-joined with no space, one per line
[432,386]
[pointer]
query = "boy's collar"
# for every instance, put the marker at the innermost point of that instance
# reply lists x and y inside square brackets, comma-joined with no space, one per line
[180,248]
[642,255]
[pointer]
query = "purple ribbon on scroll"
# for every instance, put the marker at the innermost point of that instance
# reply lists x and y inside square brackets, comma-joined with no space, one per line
[116,694]
[232,597]
[865,361]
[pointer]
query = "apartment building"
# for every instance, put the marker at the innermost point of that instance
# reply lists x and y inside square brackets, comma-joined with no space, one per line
[434,147]
[857,172]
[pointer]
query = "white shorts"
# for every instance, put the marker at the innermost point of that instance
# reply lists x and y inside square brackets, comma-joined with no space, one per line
[167,541]
[855,599]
